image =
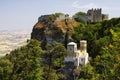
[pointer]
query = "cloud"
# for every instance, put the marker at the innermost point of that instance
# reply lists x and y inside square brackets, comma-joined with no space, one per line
[77,5]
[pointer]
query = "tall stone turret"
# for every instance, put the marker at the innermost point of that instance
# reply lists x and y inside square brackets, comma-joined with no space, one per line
[94,15]
[83,46]
[83,57]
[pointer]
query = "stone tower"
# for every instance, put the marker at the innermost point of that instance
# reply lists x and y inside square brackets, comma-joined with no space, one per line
[83,46]
[83,57]
[94,15]
[79,57]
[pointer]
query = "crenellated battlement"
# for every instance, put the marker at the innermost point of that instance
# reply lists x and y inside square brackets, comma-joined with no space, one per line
[94,15]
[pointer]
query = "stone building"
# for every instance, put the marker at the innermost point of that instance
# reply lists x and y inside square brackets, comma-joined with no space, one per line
[79,57]
[62,17]
[92,15]
[59,17]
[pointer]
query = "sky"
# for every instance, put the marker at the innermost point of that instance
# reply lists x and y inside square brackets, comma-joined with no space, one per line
[23,14]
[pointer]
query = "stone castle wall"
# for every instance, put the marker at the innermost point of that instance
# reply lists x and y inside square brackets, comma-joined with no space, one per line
[58,18]
[94,15]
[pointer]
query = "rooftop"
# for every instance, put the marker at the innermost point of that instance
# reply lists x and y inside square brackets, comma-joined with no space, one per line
[72,43]
[83,41]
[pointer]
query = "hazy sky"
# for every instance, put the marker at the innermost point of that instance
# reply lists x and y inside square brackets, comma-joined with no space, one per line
[23,14]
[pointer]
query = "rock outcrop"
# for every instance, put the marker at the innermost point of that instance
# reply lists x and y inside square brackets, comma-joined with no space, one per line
[55,27]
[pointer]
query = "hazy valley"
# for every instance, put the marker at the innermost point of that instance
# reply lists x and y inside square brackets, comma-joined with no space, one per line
[10,40]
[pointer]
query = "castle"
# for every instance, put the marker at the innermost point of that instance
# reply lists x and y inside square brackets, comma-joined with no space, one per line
[57,17]
[92,15]
[78,57]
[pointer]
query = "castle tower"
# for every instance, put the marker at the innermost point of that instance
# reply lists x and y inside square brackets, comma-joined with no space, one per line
[79,57]
[90,15]
[83,46]
[94,15]
[71,49]
[83,57]
[98,15]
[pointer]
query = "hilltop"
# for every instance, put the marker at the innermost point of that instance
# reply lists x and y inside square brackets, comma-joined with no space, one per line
[54,27]
[60,27]
[42,58]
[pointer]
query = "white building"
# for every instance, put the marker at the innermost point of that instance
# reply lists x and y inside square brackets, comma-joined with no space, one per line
[71,49]
[79,57]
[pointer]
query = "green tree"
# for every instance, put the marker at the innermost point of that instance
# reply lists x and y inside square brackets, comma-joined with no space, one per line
[53,61]
[5,69]
[87,72]
[26,62]
[103,47]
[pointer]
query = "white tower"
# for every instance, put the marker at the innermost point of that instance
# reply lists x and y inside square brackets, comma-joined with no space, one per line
[79,57]
[71,49]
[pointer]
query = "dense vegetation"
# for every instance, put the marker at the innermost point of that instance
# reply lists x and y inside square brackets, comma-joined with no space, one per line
[30,62]
[103,47]
[80,13]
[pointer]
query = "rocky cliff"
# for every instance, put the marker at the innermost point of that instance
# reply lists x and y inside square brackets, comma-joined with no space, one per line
[54,27]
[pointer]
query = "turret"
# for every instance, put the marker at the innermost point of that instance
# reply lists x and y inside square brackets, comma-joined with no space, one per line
[83,58]
[71,49]
[83,45]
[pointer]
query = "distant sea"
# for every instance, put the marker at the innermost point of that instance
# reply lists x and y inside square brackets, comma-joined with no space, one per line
[12,39]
